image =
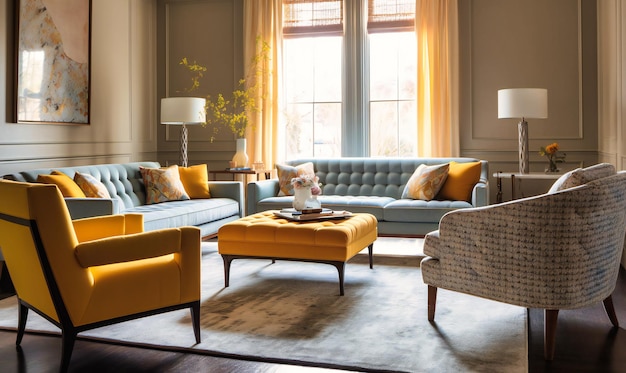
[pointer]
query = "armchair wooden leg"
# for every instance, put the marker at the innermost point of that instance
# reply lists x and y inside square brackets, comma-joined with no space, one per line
[610,310]
[195,319]
[68,338]
[549,336]
[432,300]
[21,322]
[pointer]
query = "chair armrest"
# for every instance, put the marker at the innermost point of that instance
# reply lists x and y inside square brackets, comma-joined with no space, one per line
[90,229]
[259,190]
[87,207]
[188,259]
[126,248]
[228,189]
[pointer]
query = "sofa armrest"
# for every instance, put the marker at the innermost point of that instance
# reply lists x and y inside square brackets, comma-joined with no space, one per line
[480,194]
[228,189]
[80,208]
[259,190]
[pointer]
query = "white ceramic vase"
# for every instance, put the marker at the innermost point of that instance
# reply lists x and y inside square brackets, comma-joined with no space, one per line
[241,156]
[300,197]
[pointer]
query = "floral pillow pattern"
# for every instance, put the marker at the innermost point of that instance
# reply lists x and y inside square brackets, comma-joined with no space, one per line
[92,187]
[286,173]
[426,182]
[163,184]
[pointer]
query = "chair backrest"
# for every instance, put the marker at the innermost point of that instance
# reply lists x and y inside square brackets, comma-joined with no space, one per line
[580,257]
[123,181]
[37,239]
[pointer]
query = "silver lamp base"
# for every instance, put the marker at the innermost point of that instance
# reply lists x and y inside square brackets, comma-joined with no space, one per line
[522,129]
[183,145]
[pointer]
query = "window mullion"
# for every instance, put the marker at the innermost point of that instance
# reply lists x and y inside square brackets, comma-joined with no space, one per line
[355,135]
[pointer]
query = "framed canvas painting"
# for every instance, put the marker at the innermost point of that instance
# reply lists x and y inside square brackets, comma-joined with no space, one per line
[53,61]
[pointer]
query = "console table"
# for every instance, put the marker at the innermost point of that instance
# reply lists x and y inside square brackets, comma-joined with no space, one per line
[516,175]
[242,172]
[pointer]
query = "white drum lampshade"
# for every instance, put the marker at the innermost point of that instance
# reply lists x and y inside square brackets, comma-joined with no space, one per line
[183,111]
[523,103]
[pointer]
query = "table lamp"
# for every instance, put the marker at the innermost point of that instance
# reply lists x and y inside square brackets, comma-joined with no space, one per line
[183,111]
[523,103]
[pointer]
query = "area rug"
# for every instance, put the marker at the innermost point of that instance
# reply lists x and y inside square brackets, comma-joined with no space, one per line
[291,312]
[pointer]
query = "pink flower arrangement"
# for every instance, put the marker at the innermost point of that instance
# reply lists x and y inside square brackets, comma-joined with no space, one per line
[307,181]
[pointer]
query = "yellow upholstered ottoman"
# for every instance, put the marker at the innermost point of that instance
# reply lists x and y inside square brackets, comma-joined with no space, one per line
[266,236]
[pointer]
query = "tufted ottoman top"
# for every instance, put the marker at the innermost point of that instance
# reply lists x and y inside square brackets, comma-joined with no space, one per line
[263,234]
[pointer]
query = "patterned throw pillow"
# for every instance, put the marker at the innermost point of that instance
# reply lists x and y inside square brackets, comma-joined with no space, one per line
[92,187]
[426,182]
[66,185]
[582,176]
[195,180]
[163,184]
[286,173]
[460,182]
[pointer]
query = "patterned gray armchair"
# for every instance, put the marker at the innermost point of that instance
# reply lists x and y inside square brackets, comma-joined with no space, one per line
[559,250]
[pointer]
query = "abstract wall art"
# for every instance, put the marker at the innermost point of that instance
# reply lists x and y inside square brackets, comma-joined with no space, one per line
[53,61]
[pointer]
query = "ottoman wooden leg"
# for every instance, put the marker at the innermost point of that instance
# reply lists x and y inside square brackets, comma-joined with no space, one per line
[370,250]
[227,259]
[341,268]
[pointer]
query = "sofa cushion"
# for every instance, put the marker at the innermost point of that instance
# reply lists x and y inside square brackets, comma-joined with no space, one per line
[370,204]
[415,210]
[66,185]
[426,182]
[460,181]
[286,173]
[582,176]
[183,213]
[163,184]
[195,180]
[92,187]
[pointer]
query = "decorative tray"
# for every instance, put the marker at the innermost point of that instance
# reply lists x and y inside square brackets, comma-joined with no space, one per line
[317,214]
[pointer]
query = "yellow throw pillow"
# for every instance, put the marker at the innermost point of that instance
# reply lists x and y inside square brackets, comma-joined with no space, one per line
[163,184]
[286,173]
[426,182]
[66,185]
[460,182]
[195,180]
[92,187]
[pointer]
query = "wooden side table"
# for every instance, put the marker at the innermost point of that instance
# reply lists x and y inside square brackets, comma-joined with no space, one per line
[246,172]
[517,176]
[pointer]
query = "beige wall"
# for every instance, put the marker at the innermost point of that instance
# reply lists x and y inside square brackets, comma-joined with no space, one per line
[534,44]
[136,46]
[611,84]
[210,33]
[123,95]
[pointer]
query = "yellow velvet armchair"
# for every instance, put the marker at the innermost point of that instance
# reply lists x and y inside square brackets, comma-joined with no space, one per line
[93,272]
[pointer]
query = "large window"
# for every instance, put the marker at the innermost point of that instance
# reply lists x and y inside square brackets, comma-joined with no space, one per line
[349,73]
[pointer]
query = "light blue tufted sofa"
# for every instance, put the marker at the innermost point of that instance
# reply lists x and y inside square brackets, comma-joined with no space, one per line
[125,185]
[375,186]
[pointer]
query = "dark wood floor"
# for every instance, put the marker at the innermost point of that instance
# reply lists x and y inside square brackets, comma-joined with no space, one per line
[586,342]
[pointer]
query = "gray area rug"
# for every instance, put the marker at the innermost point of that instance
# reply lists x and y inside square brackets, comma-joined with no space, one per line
[291,312]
